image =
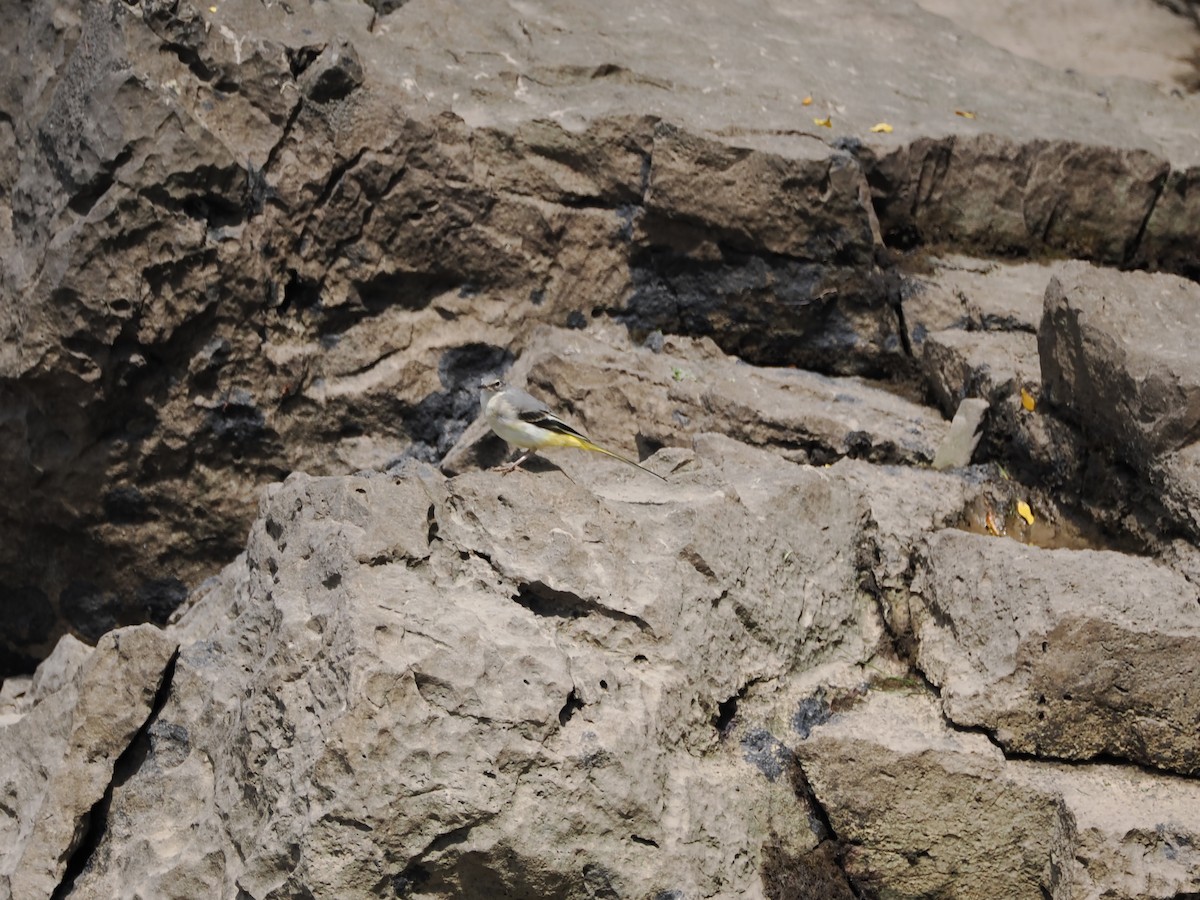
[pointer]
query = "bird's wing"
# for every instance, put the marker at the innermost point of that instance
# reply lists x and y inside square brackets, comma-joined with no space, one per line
[523,403]
[532,410]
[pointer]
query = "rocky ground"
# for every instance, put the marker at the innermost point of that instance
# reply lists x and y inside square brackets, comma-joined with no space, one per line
[255,257]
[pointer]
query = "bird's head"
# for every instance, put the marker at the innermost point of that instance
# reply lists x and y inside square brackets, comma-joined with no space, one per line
[491,385]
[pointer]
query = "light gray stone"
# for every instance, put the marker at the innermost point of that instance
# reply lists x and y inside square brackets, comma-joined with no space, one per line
[1118,355]
[445,686]
[58,753]
[959,444]
[928,809]
[1061,653]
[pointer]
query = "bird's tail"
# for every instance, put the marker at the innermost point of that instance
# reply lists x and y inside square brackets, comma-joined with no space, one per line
[585,444]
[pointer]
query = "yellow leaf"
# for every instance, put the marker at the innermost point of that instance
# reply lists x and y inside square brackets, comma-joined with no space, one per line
[1028,400]
[1025,512]
[966,114]
[826,122]
[990,521]
[807,101]
[882,128]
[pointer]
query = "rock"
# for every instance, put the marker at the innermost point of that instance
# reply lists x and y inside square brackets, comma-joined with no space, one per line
[65,745]
[956,448]
[1178,477]
[425,684]
[1116,352]
[1131,40]
[1061,653]
[1133,830]
[608,387]
[973,327]
[273,237]
[333,74]
[247,240]
[928,810]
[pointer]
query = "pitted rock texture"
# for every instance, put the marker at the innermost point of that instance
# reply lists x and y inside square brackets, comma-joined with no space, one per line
[474,670]
[61,743]
[252,238]
[258,255]
[562,682]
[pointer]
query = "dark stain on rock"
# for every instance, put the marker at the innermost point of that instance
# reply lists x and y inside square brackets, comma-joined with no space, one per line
[160,597]
[88,609]
[769,309]
[237,421]
[125,505]
[766,753]
[170,744]
[811,712]
[439,419]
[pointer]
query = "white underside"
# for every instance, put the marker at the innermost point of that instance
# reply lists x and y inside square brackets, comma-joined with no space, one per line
[512,429]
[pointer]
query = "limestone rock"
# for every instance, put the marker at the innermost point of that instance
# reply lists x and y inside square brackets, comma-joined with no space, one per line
[1117,354]
[1177,476]
[931,811]
[60,750]
[446,686]
[665,393]
[973,327]
[250,238]
[928,810]
[1061,653]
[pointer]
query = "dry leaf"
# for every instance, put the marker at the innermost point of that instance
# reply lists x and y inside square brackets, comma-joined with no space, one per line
[1025,512]
[826,122]
[807,101]
[990,521]
[881,128]
[966,114]
[1028,400]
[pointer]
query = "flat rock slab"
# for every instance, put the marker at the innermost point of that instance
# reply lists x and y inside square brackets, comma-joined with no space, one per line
[1062,653]
[1002,154]
[928,810]
[1119,354]
[619,393]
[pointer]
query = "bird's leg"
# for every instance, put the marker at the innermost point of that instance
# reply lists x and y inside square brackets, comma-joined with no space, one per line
[513,466]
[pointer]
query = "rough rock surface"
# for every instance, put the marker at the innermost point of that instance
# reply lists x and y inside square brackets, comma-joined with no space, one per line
[61,743]
[568,683]
[251,238]
[468,673]
[255,242]
[677,387]
[930,811]
[1116,353]
[1108,668]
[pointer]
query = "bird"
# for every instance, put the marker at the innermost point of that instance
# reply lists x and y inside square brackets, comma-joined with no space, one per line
[526,422]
